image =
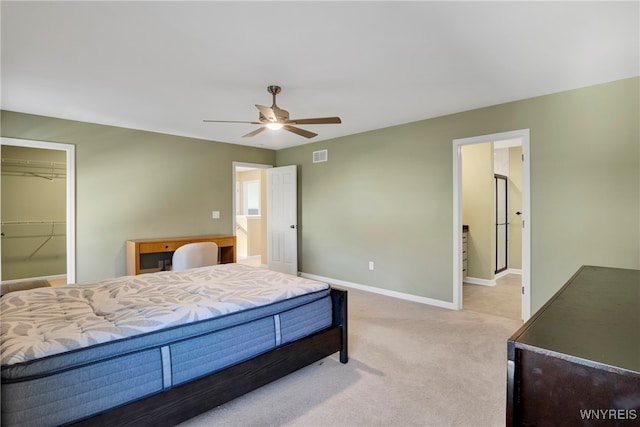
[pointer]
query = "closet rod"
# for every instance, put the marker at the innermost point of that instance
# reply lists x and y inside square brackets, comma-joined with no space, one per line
[32,236]
[50,177]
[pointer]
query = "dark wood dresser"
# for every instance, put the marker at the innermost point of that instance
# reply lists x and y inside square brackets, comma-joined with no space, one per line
[577,360]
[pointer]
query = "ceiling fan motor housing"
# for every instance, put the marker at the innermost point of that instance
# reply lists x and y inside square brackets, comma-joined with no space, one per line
[281,115]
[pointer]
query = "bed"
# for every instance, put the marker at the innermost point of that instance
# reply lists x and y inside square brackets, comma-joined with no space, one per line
[157,349]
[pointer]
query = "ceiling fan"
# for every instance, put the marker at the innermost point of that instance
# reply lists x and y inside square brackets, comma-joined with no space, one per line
[276,118]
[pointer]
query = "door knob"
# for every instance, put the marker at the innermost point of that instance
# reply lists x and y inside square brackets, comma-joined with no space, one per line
[292,226]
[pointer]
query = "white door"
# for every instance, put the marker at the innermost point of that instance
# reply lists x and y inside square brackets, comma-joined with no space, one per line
[282,219]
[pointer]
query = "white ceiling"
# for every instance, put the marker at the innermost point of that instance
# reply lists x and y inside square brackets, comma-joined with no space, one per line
[166,66]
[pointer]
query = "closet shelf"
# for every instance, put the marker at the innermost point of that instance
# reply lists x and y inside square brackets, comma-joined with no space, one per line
[38,232]
[34,168]
[52,223]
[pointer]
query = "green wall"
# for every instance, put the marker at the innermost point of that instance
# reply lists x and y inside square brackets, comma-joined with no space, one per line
[386,195]
[133,184]
[383,196]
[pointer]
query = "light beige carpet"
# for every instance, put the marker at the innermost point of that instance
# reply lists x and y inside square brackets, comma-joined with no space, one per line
[411,365]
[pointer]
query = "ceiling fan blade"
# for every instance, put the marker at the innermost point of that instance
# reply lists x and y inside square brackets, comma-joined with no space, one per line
[255,132]
[231,121]
[299,131]
[267,112]
[315,121]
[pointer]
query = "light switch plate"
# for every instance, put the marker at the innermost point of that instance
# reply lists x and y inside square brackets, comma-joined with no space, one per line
[215,214]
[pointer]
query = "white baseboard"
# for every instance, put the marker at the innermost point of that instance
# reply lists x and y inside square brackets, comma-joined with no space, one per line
[485,282]
[386,292]
[478,281]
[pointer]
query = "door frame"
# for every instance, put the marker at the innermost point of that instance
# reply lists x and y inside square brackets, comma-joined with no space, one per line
[523,135]
[69,149]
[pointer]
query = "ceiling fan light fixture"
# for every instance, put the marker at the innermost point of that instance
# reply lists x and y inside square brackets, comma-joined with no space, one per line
[275,118]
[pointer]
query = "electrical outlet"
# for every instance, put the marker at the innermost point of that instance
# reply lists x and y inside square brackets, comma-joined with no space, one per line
[371,265]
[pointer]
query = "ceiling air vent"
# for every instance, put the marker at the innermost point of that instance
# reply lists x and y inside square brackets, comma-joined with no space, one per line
[320,156]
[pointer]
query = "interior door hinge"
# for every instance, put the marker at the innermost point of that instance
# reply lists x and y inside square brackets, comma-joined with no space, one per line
[523,157]
[522,290]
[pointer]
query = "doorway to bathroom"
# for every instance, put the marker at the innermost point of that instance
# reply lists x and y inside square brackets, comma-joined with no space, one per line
[491,203]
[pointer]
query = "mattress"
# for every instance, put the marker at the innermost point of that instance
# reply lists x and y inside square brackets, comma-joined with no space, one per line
[73,351]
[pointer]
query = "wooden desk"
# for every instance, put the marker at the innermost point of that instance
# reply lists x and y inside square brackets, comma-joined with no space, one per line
[579,355]
[146,255]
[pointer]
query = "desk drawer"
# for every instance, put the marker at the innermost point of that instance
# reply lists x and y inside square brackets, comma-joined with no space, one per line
[171,246]
[150,248]
[224,242]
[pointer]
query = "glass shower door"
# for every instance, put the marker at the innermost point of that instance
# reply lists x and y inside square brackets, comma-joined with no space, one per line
[501,222]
